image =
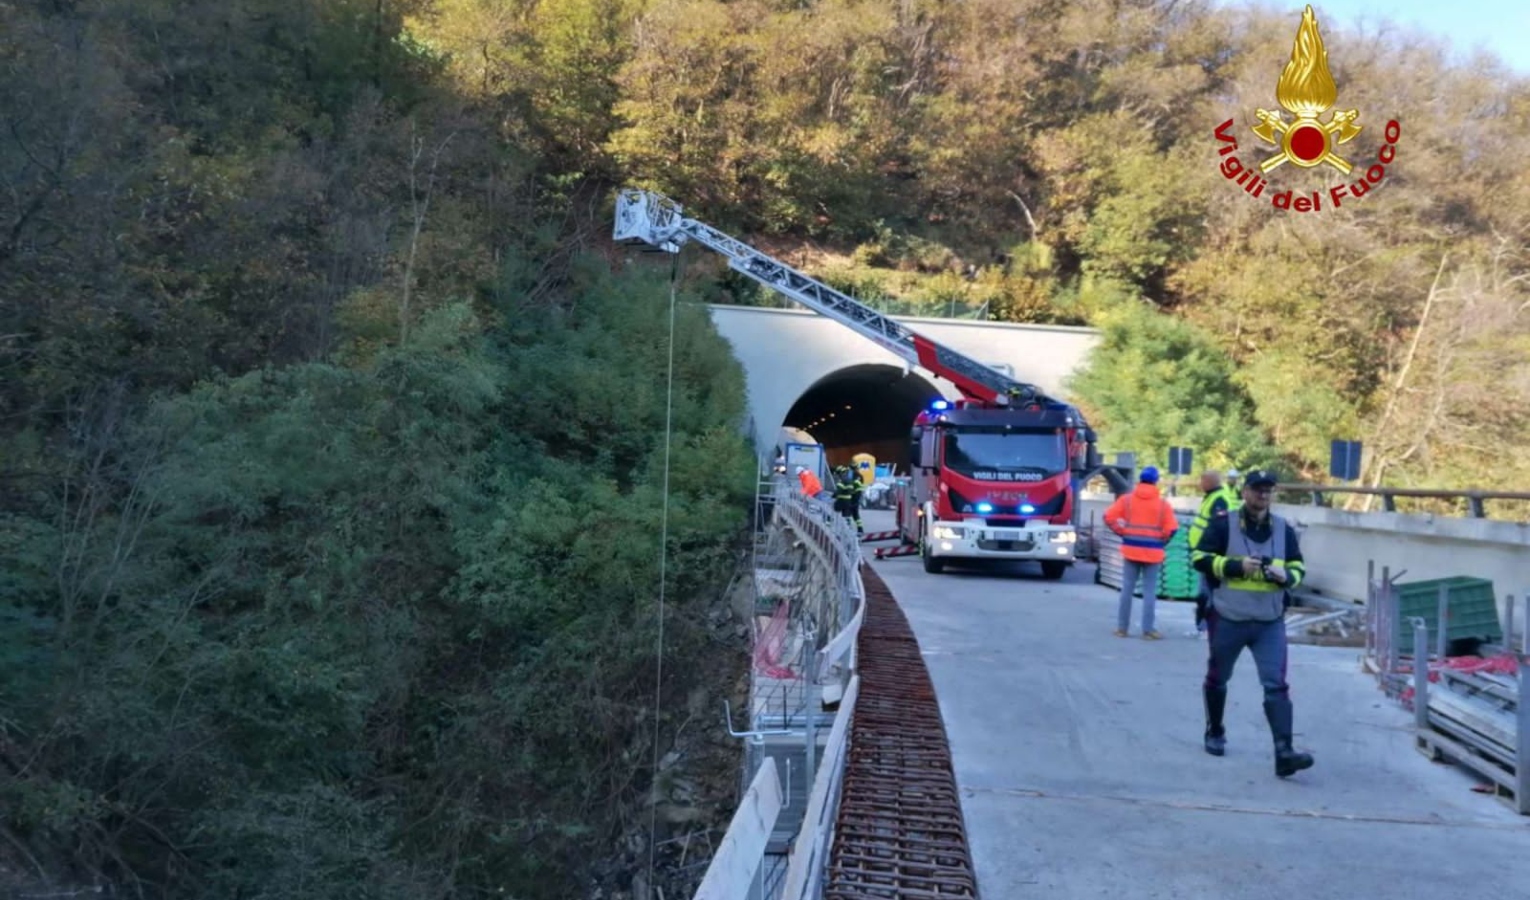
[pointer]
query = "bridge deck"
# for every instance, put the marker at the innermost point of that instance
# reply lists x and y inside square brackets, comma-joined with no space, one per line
[1079,760]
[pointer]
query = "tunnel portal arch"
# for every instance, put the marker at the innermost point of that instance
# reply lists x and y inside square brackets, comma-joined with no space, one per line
[864,408]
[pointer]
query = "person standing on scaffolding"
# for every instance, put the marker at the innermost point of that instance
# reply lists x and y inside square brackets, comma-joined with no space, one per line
[848,488]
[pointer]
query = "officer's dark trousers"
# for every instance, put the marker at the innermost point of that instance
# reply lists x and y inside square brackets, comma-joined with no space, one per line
[1266,641]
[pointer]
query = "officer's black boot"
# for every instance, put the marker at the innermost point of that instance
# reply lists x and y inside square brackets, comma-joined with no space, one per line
[1288,761]
[1216,735]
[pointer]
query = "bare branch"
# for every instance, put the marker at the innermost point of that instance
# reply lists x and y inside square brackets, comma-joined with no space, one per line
[420,206]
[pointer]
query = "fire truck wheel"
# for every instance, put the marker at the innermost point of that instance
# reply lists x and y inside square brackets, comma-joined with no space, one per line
[1052,571]
[932,564]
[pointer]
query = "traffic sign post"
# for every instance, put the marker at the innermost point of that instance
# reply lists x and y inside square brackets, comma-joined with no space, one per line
[1180,460]
[1344,460]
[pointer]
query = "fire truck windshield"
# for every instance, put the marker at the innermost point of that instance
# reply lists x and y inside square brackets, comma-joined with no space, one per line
[996,455]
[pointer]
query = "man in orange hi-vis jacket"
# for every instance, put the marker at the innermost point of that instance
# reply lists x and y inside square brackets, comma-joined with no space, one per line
[1145,521]
[811,486]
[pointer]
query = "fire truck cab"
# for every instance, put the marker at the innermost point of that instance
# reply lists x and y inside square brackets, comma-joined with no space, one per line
[992,483]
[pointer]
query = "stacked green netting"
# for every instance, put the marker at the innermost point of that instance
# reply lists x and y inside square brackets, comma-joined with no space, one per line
[1178,581]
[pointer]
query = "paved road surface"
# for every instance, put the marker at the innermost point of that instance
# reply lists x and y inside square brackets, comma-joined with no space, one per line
[1079,758]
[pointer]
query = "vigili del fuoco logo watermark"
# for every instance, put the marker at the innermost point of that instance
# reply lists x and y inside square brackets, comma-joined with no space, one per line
[1307,91]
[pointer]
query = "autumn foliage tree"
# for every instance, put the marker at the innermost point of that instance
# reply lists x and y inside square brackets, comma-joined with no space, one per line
[330,439]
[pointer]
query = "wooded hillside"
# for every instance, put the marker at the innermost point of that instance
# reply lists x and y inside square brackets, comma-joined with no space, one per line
[1058,162]
[330,444]
[332,469]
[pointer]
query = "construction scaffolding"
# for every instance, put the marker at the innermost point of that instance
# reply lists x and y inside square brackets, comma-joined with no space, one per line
[805,604]
[1466,708]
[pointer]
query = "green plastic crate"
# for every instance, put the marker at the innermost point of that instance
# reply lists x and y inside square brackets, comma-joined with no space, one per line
[1472,613]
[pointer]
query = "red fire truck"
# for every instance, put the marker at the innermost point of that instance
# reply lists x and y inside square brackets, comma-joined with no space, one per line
[992,481]
[994,475]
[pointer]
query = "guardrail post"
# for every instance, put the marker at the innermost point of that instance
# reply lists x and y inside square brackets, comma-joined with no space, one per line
[1508,623]
[1524,629]
[810,751]
[1388,503]
[1522,740]
[1420,676]
[1441,618]
[1370,609]
[1474,504]
[1394,624]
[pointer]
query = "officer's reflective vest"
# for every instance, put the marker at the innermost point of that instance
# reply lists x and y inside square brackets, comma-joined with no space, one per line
[1246,599]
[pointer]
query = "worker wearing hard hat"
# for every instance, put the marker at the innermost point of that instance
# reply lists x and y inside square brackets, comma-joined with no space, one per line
[811,486]
[1146,522]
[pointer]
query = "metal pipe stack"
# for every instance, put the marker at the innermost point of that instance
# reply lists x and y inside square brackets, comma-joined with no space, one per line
[1476,719]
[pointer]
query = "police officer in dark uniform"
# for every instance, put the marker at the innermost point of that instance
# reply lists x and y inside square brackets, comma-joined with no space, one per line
[848,488]
[1251,559]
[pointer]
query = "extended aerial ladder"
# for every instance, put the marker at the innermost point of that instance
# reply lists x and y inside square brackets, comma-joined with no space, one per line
[1023,512]
[649,218]
[645,217]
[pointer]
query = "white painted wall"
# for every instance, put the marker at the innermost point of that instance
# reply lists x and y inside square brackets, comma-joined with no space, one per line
[786,351]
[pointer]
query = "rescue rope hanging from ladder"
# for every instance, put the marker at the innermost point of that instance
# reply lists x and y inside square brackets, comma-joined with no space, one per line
[658,662]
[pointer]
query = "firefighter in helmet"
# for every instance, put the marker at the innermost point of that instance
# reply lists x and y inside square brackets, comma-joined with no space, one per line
[848,488]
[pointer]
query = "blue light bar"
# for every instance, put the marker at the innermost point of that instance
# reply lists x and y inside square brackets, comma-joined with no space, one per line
[985,507]
[1027,509]
[940,404]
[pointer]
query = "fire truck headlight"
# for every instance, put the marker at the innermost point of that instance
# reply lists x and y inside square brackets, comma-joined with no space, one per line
[1064,537]
[948,532]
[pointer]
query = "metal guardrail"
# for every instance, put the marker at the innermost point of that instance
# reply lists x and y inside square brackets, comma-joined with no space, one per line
[832,545]
[1389,495]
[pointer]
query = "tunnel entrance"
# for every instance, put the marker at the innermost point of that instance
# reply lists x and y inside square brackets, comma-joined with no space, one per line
[863,409]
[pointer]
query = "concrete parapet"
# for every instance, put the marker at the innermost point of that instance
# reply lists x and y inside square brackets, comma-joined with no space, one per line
[1337,544]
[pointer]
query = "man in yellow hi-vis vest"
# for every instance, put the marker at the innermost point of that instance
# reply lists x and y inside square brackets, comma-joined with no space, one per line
[1251,559]
[1217,498]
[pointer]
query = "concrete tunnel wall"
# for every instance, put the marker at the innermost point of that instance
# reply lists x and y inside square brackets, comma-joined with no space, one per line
[787,352]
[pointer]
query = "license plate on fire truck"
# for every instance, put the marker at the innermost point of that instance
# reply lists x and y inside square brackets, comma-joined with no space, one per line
[1006,536]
